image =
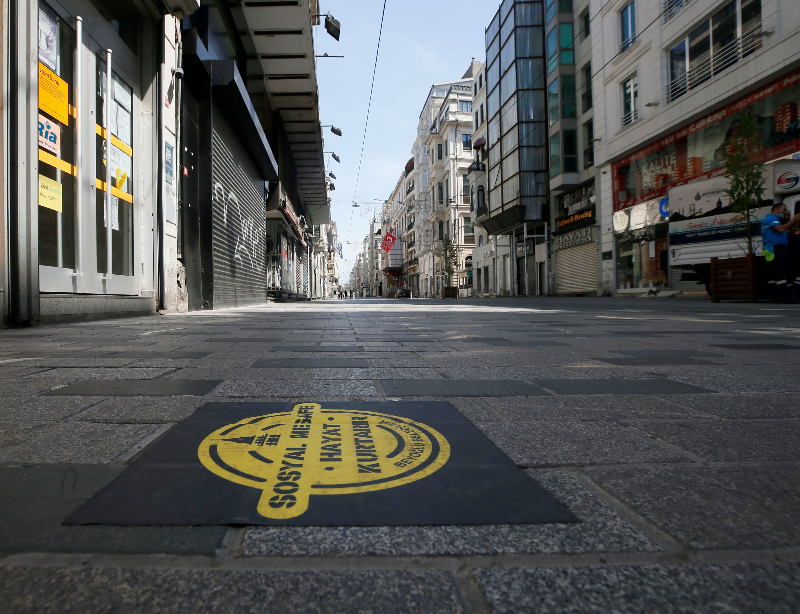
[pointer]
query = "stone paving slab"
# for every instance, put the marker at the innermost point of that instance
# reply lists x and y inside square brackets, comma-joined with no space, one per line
[311,363]
[111,590]
[318,348]
[162,387]
[579,408]
[744,406]
[548,444]
[459,388]
[713,507]
[619,386]
[633,589]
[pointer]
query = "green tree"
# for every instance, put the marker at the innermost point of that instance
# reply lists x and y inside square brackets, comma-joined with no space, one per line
[450,259]
[745,172]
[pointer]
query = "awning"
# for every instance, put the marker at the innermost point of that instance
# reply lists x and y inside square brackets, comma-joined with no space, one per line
[479,143]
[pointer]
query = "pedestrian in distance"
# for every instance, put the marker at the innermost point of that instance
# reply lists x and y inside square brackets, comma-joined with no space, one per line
[775,237]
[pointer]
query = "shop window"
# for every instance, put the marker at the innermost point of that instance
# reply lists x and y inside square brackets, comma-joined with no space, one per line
[714,46]
[120,123]
[56,139]
[552,102]
[568,96]
[630,101]
[628,22]
[555,155]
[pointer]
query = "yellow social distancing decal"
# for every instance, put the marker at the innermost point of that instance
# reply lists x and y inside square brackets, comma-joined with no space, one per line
[313,451]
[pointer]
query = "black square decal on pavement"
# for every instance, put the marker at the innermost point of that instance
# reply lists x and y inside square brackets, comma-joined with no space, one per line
[328,464]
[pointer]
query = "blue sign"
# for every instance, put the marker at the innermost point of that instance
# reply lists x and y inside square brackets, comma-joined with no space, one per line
[663,207]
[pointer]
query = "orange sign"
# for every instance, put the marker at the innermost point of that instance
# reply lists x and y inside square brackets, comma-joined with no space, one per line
[53,94]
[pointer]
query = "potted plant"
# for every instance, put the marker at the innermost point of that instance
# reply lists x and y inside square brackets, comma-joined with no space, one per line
[735,277]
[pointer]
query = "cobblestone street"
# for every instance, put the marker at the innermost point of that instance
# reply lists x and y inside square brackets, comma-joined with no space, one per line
[668,427]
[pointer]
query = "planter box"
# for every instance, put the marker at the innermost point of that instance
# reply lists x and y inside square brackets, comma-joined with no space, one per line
[742,278]
[449,293]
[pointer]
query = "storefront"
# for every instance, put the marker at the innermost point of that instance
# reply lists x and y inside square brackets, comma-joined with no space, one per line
[642,180]
[96,138]
[575,242]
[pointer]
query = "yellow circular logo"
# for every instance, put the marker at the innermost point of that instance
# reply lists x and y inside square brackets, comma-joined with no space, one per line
[313,451]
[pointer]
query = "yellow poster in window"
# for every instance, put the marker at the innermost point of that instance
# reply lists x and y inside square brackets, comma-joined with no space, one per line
[53,94]
[50,194]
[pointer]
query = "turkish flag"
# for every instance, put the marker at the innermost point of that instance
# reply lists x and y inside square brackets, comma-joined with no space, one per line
[388,241]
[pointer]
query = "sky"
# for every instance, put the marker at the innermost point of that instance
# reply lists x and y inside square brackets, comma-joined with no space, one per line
[422,43]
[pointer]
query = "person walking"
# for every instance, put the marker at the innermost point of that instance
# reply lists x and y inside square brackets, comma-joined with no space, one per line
[775,238]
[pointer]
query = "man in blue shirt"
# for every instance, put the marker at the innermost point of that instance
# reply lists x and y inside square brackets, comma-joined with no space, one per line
[775,237]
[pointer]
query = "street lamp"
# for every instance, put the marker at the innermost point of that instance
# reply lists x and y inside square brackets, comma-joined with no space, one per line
[333,155]
[332,26]
[336,131]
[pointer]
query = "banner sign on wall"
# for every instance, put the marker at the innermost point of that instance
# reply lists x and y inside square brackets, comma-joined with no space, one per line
[388,241]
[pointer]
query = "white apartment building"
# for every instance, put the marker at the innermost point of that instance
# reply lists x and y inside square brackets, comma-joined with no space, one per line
[671,83]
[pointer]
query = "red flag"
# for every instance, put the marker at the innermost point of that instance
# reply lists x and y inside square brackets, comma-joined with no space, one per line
[388,241]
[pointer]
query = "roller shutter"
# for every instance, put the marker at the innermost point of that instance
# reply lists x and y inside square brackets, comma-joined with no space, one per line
[239,224]
[576,268]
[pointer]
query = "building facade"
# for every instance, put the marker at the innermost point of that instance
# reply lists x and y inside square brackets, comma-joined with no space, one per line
[675,81]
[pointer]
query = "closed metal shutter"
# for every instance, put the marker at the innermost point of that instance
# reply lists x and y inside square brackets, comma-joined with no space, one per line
[239,224]
[576,268]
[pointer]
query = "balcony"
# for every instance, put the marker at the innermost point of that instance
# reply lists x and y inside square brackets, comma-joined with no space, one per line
[410,206]
[469,239]
[588,157]
[410,225]
[480,211]
[413,262]
[630,117]
[411,243]
[718,62]
[586,98]
[410,188]
[476,167]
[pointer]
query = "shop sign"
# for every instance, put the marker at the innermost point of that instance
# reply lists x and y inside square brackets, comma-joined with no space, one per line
[53,94]
[575,238]
[523,249]
[49,136]
[714,227]
[50,194]
[579,218]
[677,159]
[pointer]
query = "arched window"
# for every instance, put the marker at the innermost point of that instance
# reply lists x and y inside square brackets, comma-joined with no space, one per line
[480,241]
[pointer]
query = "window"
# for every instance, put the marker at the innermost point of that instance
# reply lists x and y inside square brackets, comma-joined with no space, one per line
[465,189]
[446,148]
[552,50]
[586,96]
[555,155]
[628,19]
[481,115]
[481,197]
[447,190]
[588,152]
[568,96]
[447,229]
[480,244]
[425,151]
[476,120]
[441,192]
[475,93]
[441,230]
[552,102]
[465,106]
[439,151]
[570,151]
[565,34]
[480,81]
[630,101]
[550,10]
[714,46]
[466,141]
[587,24]
[425,177]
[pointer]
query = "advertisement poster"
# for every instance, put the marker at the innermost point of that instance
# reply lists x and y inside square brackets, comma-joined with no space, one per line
[696,152]
[50,194]
[53,94]
[49,136]
[48,37]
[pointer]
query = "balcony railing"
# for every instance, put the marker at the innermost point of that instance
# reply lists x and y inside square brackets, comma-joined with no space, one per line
[465,199]
[469,239]
[410,188]
[410,225]
[673,7]
[588,157]
[410,206]
[413,262]
[716,63]
[476,167]
[627,43]
[481,210]
[630,117]
[586,98]
[411,243]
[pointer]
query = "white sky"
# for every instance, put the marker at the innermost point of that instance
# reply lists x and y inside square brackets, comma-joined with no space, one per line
[423,43]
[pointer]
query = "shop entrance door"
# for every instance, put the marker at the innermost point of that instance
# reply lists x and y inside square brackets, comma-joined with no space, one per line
[89,129]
